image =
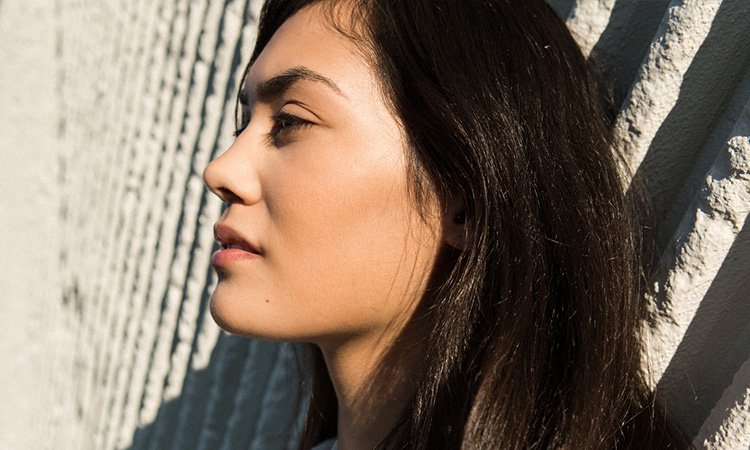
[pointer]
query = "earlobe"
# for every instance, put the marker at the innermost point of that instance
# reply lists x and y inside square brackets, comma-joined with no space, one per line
[454,226]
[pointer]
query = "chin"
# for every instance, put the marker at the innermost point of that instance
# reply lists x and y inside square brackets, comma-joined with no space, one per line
[236,319]
[228,316]
[222,316]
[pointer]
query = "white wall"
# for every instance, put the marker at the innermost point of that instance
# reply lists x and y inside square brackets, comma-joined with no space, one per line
[111,109]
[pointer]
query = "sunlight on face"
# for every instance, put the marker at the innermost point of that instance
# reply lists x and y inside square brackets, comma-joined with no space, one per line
[330,243]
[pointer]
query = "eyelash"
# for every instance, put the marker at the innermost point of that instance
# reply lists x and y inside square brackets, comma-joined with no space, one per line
[282,122]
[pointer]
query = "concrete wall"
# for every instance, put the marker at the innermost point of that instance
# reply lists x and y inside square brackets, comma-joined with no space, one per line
[111,109]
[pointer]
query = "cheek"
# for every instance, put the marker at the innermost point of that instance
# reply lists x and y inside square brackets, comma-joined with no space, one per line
[343,258]
[356,213]
[346,252]
[345,195]
[348,240]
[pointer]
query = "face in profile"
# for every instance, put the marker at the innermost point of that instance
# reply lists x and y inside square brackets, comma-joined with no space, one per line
[321,236]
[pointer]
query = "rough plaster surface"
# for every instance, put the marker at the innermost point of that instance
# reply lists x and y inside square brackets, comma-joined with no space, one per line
[111,109]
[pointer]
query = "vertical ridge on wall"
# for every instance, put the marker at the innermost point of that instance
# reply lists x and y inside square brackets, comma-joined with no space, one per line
[253,384]
[143,244]
[239,46]
[274,425]
[128,272]
[162,221]
[227,378]
[124,55]
[187,210]
[166,80]
[222,68]
[197,382]
[99,335]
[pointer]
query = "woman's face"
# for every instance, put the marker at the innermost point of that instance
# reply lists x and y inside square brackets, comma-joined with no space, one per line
[317,189]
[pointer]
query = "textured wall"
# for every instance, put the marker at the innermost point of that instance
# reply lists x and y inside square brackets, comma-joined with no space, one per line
[111,109]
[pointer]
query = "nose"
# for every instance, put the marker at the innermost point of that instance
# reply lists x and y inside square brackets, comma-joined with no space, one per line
[233,176]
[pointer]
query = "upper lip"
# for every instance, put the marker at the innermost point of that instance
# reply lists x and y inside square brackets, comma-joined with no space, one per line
[227,236]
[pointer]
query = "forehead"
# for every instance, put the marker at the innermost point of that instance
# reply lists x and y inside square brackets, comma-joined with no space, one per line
[308,39]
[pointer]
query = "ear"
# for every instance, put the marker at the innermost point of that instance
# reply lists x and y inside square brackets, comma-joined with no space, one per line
[454,224]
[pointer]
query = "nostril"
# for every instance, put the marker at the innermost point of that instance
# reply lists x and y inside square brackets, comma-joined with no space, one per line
[215,183]
[228,196]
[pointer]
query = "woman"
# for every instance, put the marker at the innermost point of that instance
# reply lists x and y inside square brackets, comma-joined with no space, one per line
[426,192]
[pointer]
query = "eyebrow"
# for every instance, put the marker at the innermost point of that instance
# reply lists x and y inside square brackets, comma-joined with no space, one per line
[280,83]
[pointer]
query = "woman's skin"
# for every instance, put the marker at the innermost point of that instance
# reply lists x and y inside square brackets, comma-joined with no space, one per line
[339,254]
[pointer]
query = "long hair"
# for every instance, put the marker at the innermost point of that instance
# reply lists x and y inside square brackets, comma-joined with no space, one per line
[534,332]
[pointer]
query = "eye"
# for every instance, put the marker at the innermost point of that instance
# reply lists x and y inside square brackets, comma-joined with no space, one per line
[284,125]
[244,120]
[243,108]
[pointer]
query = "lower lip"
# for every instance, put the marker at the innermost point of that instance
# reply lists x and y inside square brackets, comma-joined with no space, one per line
[226,256]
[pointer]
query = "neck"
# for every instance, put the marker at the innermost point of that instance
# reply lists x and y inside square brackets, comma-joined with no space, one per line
[372,382]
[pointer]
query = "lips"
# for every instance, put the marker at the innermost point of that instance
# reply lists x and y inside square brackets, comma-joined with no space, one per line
[229,238]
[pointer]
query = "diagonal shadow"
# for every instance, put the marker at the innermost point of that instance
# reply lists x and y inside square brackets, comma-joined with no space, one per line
[224,404]
[625,42]
[716,343]
[563,8]
[677,153]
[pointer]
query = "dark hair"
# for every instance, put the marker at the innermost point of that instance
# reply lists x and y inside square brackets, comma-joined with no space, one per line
[534,331]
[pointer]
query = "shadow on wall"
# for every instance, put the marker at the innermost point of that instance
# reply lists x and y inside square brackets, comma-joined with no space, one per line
[241,400]
[562,7]
[677,160]
[716,343]
[625,42]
